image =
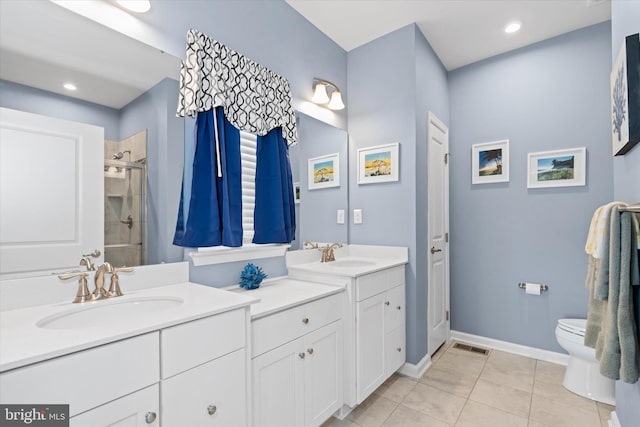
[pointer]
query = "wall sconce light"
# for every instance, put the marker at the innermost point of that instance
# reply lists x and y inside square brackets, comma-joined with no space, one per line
[320,95]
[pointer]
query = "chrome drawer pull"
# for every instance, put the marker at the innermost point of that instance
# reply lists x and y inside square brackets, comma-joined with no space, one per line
[150,417]
[211,409]
[305,320]
[399,308]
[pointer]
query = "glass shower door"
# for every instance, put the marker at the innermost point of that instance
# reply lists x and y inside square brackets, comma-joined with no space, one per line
[125,212]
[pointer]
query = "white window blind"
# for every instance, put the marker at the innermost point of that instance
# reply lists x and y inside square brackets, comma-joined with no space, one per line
[248,147]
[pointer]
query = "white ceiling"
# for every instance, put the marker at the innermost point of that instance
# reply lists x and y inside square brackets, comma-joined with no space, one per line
[460,31]
[43,45]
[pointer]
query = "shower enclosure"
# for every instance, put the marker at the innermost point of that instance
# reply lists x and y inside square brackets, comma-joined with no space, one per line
[125,204]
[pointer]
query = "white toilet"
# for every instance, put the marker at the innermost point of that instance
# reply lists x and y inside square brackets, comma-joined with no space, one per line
[583,371]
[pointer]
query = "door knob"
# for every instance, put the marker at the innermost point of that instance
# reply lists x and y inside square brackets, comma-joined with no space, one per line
[434,250]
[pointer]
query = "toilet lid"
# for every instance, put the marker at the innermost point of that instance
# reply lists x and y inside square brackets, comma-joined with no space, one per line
[575,326]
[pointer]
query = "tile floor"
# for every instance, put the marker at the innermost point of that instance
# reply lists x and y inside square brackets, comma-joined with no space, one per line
[465,389]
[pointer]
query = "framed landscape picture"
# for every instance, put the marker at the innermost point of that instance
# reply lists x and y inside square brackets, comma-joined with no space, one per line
[324,172]
[561,168]
[378,164]
[490,162]
[296,192]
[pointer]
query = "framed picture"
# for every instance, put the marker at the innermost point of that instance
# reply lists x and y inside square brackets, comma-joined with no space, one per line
[378,164]
[490,162]
[625,97]
[561,168]
[324,172]
[296,192]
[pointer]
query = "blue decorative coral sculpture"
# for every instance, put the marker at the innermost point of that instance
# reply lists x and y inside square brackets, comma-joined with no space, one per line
[251,277]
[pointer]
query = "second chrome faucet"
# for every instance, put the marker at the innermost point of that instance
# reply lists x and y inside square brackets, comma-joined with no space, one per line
[327,251]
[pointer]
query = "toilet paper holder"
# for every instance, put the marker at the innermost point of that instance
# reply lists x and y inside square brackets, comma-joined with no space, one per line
[523,285]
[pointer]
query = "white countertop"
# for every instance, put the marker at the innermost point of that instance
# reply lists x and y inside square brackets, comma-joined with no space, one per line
[282,293]
[350,260]
[329,268]
[22,342]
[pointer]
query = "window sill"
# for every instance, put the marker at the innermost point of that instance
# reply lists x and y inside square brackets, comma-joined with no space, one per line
[221,255]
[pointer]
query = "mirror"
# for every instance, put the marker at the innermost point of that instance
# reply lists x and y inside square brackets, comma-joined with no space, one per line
[127,88]
[317,210]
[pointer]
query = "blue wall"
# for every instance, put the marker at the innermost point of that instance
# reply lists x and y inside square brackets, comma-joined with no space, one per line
[32,100]
[548,96]
[393,81]
[625,20]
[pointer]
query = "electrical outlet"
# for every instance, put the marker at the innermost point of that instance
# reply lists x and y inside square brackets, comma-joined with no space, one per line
[357,216]
[340,216]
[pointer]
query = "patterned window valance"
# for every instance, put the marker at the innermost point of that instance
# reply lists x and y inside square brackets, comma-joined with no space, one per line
[254,98]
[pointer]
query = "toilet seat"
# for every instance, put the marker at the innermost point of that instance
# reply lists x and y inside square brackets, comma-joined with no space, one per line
[573,326]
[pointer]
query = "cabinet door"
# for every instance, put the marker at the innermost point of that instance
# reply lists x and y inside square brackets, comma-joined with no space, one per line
[370,345]
[212,394]
[394,309]
[323,373]
[278,386]
[394,350]
[135,410]
[56,212]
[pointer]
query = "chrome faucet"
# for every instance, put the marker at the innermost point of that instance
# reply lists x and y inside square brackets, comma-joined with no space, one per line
[99,292]
[327,251]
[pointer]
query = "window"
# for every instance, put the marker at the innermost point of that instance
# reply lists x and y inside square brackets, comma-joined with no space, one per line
[248,147]
[249,251]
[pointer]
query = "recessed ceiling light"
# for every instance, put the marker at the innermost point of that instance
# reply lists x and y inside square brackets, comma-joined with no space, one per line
[69,86]
[139,6]
[512,27]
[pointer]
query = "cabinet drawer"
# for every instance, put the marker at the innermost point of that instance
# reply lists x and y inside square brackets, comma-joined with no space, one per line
[191,344]
[395,350]
[130,410]
[394,308]
[375,283]
[213,394]
[100,374]
[272,331]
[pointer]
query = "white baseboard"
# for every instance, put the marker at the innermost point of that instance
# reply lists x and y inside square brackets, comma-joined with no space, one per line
[416,371]
[614,421]
[522,350]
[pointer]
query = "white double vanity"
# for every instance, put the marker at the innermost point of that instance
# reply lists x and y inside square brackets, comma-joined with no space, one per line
[172,353]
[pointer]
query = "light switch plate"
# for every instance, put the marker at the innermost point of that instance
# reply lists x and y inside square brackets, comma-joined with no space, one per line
[357,216]
[340,216]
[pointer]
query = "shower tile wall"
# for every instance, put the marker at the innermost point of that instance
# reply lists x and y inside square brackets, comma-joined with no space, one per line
[123,198]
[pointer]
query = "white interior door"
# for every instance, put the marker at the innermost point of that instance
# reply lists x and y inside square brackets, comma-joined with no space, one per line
[51,193]
[437,232]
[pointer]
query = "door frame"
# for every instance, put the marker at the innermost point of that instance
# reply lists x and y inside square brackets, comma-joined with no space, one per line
[433,119]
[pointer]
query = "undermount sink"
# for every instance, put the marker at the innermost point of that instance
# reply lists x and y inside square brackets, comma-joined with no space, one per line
[103,312]
[349,263]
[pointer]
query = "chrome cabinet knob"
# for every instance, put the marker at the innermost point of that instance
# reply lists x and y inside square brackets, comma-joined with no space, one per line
[386,303]
[399,349]
[301,355]
[150,417]
[211,409]
[310,351]
[399,307]
[305,320]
